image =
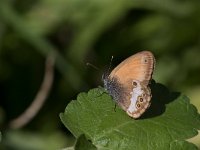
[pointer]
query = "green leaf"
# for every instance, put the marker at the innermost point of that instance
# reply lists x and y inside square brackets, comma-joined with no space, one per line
[170,120]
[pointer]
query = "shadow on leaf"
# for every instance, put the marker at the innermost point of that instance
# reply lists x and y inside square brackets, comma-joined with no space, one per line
[160,97]
[83,144]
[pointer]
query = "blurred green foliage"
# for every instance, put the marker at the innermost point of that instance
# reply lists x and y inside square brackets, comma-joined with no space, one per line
[81,31]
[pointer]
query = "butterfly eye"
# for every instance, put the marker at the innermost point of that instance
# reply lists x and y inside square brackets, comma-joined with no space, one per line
[143,95]
[141,99]
[134,84]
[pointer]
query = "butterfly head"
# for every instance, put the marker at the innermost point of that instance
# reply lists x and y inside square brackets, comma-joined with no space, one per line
[114,88]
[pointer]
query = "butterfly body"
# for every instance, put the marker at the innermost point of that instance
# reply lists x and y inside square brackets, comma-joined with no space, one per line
[128,83]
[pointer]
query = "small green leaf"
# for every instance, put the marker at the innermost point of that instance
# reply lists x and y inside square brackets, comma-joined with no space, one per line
[170,120]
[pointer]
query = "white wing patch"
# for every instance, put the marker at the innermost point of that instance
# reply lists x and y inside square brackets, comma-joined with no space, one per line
[137,91]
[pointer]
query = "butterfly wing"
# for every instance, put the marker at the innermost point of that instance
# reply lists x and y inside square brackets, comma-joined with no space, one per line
[139,66]
[129,83]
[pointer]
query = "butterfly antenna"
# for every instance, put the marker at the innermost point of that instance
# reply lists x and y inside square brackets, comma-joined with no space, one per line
[93,66]
[105,75]
[110,64]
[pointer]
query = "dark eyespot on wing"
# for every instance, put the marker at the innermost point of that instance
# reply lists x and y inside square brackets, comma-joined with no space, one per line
[134,84]
[138,105]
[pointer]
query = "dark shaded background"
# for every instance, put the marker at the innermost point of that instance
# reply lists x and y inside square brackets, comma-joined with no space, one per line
[81,31]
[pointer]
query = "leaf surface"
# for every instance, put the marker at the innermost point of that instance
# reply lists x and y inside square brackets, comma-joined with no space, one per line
[170,120]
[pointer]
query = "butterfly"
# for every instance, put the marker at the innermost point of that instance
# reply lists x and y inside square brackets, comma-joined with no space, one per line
[128,83]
